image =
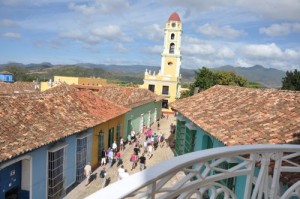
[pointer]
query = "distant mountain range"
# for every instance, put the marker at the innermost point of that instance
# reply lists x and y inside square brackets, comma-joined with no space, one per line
[268,77]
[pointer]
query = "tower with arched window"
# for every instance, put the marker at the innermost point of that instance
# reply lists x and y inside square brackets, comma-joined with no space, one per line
[167,81]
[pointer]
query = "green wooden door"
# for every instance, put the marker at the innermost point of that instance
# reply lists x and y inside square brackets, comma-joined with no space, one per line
[110,136]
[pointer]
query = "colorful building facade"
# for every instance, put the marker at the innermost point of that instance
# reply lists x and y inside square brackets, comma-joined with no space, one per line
[6,77]
[167,82]
[145,107]
[226,116]
[73,80]
[46,145]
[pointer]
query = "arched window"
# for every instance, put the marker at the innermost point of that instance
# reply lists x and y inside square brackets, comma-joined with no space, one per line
[172,36]
[172,48]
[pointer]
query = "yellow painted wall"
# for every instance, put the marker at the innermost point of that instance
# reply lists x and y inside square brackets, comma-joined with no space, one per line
[73,80]
[158,89]
[105,127]
[68,80]
[170,70]
[44,86]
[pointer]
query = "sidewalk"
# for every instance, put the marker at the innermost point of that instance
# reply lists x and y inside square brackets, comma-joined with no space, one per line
[159,155]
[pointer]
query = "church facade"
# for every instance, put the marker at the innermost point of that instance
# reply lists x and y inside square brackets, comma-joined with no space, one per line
[167,82]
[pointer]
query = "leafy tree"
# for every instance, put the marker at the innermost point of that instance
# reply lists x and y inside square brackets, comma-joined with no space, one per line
[205,78]
[291,81]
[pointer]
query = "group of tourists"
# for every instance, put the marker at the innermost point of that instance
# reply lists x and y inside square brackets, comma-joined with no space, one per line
[145,144]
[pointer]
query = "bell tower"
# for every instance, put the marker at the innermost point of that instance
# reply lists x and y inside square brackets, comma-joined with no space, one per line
[171,56]
[167,81]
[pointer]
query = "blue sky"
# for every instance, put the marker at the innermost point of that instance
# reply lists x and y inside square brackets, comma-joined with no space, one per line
[215,32]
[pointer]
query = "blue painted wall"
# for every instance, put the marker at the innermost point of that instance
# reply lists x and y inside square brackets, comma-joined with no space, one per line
[6,77]
[39,165]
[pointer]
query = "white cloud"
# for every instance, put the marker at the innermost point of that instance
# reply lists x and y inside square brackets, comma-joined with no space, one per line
[199,49]
[95,35]
[280,29]
[273,9]
[8,23]
[153,32]
[100,6]
[12,35]
[270,55]
[157,49]
[120,48]
[270,9]
[219,31]
[83,8]
[242,63]
[110,32]
[225,52]
[262,50]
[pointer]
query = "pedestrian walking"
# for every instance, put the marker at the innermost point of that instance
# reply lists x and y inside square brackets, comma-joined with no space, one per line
[118,158]
[121,170]
[142,162]
[114,147]
[125,174]
[88,173]
[162,140]
[121,144]
[158,125]
[110,158]
[103,157]
[134,160]
[150,150]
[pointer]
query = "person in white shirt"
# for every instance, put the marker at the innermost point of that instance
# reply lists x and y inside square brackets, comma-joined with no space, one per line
[114,146]
[132,133]
[124,175]
[121,170]
[87,173]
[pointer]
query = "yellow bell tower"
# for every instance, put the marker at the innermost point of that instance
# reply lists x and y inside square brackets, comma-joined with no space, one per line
[167,81]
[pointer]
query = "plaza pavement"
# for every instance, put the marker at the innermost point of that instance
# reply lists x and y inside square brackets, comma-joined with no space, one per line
[159,155]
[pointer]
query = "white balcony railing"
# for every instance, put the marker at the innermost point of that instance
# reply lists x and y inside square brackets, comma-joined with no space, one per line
[268,170]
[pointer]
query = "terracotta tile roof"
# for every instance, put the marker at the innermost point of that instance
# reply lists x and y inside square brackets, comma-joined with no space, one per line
[61,88]
[29,121]
[17,87]
[125,96]
[236,115]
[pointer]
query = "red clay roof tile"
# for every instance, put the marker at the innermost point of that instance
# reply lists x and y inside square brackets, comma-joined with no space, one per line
[29,121]
[236,115]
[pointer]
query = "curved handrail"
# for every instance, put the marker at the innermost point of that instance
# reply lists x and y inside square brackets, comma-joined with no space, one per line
[150,182]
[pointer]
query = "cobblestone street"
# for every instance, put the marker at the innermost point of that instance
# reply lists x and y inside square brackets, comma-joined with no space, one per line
[159,155]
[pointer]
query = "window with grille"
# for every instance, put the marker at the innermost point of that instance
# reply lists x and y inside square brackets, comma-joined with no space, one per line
[56,173]
[151,87]
[165,90]
[81,153]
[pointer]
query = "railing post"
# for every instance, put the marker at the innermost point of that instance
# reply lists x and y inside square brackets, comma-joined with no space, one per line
[276,174]
[250,167]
